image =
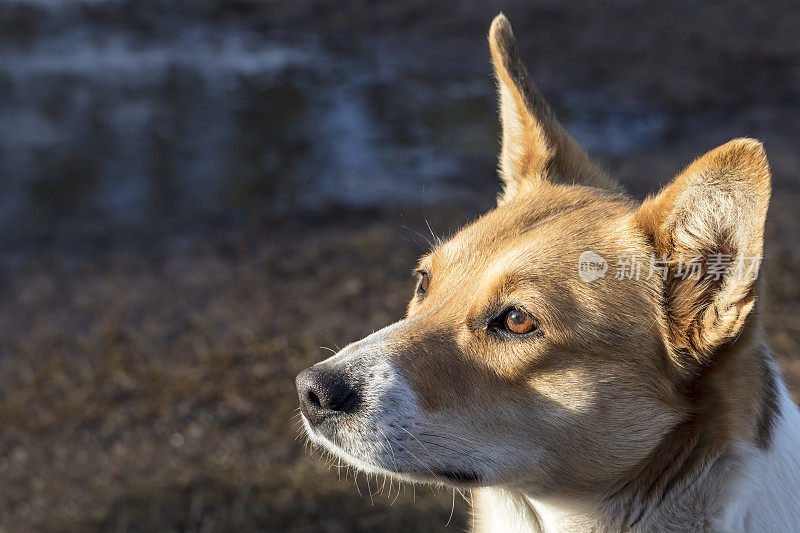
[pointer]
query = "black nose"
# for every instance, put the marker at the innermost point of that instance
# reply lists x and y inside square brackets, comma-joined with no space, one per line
[324,392]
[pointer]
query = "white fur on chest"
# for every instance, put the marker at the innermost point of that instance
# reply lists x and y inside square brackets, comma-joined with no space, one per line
[771,501]
[759,490]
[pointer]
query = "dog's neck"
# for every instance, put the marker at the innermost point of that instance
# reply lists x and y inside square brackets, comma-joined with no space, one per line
[697,506]
[730,487]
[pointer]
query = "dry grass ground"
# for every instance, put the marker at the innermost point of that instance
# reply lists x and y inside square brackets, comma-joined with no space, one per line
[146,384]
[150,386]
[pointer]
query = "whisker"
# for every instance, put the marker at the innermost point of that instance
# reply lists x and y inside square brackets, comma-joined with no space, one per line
[441,446]
[399,486]
[338,349]
[452,509]
[391,449]
[472,508]
[430,244]
[420,463]
[450,438]
[430,455]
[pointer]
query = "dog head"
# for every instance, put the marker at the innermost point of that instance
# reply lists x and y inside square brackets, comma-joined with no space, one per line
[528,356]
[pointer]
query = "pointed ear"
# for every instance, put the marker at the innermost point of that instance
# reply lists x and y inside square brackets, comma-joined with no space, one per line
[713,214]
[535,146]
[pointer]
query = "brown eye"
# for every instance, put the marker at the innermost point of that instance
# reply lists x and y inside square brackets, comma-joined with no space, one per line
[424,281]
[519,322]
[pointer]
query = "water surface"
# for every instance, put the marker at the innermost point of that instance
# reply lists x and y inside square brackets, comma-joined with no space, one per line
[118,114]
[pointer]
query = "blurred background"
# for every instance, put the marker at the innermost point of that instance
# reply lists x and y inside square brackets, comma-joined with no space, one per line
[195,196]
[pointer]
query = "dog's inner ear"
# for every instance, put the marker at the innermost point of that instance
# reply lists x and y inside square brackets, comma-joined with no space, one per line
[707,227]
[535,145]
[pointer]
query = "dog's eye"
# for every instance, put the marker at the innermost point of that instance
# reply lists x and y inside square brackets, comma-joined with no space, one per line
[518,321]
[424,282]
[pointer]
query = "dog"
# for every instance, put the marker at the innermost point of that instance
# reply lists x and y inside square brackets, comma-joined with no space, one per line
[534,368]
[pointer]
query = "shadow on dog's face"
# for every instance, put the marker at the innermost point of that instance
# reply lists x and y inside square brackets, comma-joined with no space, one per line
[528,357]
[506,359]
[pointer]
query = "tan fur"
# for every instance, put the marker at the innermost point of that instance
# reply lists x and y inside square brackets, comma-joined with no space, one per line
[535,145]
[621,333]
[630,388]
[510,255]
[717,205]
